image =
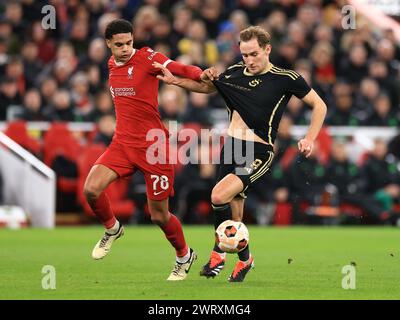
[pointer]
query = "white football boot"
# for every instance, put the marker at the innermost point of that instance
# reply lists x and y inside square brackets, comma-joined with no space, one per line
[103,246]
[181,270]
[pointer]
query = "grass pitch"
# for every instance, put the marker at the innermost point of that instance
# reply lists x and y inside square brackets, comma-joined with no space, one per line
[290,263]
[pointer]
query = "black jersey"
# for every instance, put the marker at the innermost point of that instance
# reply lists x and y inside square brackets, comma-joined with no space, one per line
[260,99]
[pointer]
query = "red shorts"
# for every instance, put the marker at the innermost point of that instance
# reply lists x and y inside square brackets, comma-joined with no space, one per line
[125,160]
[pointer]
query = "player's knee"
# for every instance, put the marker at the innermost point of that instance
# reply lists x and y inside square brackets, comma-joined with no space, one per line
[159,218]
[159,212]
[218,197]
[91,191]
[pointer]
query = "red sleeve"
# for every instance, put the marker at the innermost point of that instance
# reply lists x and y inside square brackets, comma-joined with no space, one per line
[176,68]
[185,71]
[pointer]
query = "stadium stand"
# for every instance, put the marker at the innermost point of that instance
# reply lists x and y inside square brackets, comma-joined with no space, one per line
[17,131]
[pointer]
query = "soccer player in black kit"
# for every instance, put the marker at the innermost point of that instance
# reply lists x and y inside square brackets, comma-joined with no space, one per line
[256,93]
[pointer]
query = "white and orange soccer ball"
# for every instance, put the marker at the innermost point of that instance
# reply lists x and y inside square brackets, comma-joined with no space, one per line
[232,236]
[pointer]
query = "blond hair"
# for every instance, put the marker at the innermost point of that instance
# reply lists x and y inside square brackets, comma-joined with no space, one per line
[262,36]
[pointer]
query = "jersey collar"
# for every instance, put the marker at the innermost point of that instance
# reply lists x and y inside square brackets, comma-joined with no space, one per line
[246,73]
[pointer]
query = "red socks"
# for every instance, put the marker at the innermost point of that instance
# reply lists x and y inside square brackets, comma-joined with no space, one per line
[102,209]
[174,233]
[172,229]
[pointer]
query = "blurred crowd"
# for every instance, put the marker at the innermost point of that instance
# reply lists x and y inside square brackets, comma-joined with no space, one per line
[61,75]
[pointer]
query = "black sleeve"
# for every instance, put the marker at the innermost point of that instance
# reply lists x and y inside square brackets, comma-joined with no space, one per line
[298,86]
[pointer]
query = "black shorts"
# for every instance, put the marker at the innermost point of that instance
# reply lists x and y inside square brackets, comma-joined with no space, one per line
[248,160]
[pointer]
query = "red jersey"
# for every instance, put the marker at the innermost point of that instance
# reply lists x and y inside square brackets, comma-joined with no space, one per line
[134,88]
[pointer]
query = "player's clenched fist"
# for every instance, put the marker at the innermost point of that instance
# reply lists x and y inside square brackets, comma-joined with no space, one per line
[209,74]
[305,147]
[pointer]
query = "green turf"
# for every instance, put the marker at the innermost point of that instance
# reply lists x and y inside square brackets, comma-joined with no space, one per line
[140,262]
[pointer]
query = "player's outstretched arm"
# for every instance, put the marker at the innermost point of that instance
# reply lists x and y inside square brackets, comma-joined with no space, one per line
[204,86]
[317,119]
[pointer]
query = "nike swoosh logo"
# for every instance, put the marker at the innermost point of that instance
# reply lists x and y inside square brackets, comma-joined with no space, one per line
[227,77]
[157,193]
[188,268]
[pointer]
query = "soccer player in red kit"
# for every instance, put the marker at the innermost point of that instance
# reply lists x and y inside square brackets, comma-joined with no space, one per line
[134,87]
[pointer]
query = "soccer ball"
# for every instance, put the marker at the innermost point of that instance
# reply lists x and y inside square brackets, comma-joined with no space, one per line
[232,236]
